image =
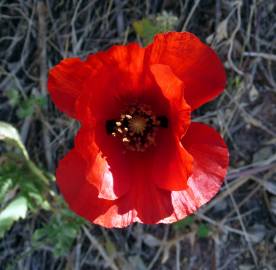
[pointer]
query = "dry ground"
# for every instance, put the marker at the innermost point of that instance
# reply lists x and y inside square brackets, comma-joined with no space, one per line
[240,221]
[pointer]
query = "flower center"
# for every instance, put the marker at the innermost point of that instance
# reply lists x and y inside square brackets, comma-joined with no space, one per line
[138,124]
[137,127]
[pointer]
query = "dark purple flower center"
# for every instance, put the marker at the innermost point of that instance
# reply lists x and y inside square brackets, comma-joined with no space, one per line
[136,127]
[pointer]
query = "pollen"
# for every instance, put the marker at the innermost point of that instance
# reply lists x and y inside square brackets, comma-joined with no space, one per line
[137,127]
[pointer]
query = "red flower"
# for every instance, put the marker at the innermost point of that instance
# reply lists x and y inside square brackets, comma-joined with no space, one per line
[137,156]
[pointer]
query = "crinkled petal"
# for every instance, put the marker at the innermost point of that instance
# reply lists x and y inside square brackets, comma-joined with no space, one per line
[143,203]
[172,164]
[168,165]
[65,83]
[210,163]
[105,97]
[173,90]
[128,60]
[151,203]
[82,196]
[196,64]
[98,170]
[116,81]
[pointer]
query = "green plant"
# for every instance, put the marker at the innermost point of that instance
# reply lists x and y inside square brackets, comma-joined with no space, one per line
[61,230]
[147,28]
[23,186]
[25,107]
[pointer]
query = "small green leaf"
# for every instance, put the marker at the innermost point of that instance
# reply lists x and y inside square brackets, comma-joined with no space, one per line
[4,188]
[60,231]
[41,101]
[10,135]
[146,29]
[14,211]
[13,96]
[26,108]
[18,174]
[202,231]
[182,224]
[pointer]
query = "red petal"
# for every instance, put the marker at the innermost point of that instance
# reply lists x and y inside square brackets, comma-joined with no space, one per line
[143,203]
[210,160]
[167,164]
[65,83]
[128,60]
[173,88]
[116,80]
[152,204]
[78,192]
[192,61]
[82,198]
[171,164]
[98,170]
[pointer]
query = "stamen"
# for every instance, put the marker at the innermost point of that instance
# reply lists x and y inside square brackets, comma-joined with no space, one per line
[137,127]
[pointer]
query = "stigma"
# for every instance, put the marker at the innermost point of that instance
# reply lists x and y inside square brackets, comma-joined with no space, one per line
[136,128]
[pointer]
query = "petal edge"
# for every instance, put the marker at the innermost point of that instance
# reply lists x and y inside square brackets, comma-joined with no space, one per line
[196,64]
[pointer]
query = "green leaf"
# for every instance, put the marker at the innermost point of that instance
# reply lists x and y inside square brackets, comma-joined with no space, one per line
[26,108]
[17,174]
[146,29]
[13,96]
[14,211]
[41,101]
[202,231]
[4,187]
[182,224]
[61,230]
[10,135]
